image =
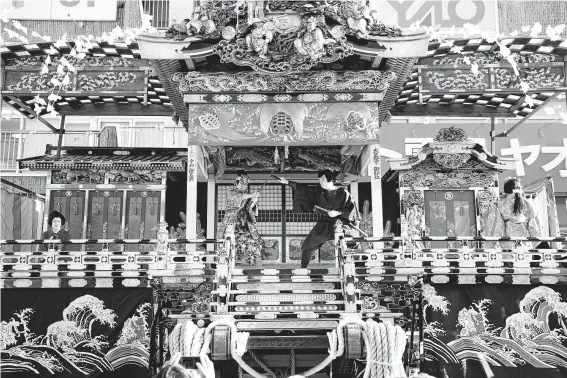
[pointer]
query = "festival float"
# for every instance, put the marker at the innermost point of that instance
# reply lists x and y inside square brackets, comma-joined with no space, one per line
[417,282]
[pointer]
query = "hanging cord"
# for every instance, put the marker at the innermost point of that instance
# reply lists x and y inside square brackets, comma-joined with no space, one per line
[292,362]
[262,364]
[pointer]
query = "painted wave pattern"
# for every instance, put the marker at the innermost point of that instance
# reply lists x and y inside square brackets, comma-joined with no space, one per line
[528,337]
[69,345]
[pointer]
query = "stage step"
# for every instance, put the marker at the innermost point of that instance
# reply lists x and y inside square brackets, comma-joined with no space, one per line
[284,271]
[269,286]
[284,297]
[282,324]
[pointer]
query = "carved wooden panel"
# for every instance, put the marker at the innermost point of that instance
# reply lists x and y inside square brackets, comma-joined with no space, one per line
[142,214]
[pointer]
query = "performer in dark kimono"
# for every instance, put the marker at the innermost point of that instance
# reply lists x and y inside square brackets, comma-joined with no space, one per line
[327,196]
[55,221]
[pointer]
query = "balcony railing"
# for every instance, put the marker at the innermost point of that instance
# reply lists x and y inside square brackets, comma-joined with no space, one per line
[159,9]
[19,144]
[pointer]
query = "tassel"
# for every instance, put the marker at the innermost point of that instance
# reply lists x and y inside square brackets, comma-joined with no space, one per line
[276,156]
[286,152]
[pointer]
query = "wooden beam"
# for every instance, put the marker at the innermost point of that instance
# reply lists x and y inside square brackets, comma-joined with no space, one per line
[60,139]
[453,110]
[492,135]
[32,112]
[523,120]
[376,62]
[517,105]
[189,63]
[133,109]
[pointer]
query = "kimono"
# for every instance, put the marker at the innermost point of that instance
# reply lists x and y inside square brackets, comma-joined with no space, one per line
[305,198]
[501,221]
[241,213]
[49,234]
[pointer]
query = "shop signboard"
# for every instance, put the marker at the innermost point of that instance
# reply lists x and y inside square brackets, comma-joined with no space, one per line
[447,14]
[69,10]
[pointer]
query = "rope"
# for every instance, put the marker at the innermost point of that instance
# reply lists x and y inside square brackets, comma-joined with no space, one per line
[385,345]
[292,362]
[262,365]
[186,339]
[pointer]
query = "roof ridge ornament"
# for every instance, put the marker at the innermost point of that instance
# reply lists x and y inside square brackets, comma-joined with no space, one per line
[451,134]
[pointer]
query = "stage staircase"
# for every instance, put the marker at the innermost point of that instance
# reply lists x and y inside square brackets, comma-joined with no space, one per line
[274,298]
[288,312]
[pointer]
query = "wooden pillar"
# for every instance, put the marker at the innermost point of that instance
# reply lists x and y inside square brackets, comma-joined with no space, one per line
[191,209]
[376,191]
[211,213]
[354,194]
[21,141]
[493,135]
[60,139]
[354,191]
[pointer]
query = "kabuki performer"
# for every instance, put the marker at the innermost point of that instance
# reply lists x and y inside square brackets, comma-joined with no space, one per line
[513,216]
[327,196]
[241,211]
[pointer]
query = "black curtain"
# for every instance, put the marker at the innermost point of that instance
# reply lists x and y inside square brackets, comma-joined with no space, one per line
[76,332]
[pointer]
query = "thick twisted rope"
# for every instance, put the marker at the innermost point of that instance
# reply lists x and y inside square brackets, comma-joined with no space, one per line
[262,364]
[385,345]
[292,362]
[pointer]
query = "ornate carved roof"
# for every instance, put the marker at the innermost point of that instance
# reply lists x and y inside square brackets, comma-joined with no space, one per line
[442,83]
[107,158]
[283,37]
[452,149]
[412,100]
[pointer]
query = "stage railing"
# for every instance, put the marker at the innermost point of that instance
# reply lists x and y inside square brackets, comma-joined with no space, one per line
[476,260]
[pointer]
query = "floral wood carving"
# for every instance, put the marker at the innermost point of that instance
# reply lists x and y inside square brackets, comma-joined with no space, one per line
[451,161]
[447,179]
[278,43]
[135,177]
[412,197]
[369,80]
[87,61]
[97,176]
[485,200]
[456,79]
[432,165]
[298,159]
[411,218]
[69,176]
[491,58]
[543,77]
[106,80]
[34,81]
[276,123]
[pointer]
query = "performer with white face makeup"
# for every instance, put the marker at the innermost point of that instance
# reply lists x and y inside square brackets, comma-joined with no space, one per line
[56,221]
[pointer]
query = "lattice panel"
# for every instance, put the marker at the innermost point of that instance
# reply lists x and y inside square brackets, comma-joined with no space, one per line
[269,204]
[300,223]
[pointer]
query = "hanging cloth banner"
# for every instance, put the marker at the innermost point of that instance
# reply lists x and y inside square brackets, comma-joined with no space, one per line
[511,327]
[75,332]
